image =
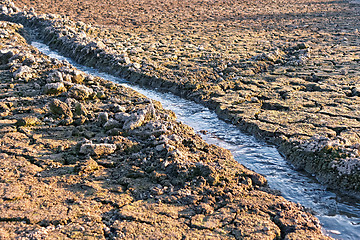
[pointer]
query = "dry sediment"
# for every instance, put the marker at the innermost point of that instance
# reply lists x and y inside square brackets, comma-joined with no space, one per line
[288,74]
[84,158]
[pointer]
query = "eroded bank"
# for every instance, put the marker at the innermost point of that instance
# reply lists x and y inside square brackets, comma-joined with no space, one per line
[295,96]
[82,157]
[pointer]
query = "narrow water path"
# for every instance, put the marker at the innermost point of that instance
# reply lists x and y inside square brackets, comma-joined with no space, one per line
[339,216]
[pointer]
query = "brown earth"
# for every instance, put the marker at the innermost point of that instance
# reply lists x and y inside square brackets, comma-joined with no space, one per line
[84,158]
[287,71]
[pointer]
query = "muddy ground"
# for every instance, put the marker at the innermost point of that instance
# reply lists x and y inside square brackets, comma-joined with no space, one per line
[84,158]
[286,71]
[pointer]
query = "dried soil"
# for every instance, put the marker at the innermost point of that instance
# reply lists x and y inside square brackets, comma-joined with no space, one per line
[286,71]
[95,160]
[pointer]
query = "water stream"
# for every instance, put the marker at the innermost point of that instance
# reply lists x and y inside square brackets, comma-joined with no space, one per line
[339,215]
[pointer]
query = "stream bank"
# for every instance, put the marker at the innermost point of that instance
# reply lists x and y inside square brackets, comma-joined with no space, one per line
[338,215]
[84,158]
[310,116]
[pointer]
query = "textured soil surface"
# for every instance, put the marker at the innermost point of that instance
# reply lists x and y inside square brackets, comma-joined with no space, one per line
[287,71]
[84,158]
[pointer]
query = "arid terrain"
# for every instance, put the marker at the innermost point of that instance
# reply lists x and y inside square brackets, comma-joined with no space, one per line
[286,71]
[85,158]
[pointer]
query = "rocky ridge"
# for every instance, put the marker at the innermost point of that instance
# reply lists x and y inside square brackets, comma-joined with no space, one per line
[84,158]
[278,95]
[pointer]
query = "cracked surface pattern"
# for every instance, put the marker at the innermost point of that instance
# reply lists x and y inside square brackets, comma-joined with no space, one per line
[286,71]
[94,160]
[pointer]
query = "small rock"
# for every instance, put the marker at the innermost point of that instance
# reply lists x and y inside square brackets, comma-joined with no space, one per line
[54,88]
[58,107]
[80,120]
[80,109]
[254,100]
[87,167]
[78,77]
[136,65]
[55,77]
[301,46]
[71,102]
[110,85]
[5,55]
[112,123]
[97,149]
[271,56]
[24,72]
[160,147]
[127,60]
[139,118]
[118,108]
[28,121]
[355,91]
[204,208]
[258,180]
[80,92]
[67,121]
[122,117]
[103,118]
[114,132]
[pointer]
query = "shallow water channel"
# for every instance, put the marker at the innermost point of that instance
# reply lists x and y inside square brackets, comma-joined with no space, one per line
[339,215]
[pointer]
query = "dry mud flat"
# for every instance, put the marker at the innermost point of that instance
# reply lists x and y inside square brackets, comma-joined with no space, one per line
[287,71]
[84,158]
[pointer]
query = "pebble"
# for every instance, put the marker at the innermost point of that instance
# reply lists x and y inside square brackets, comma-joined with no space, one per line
[54,88]
[80,92]
[97,149]
[58,107]
[103,118]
